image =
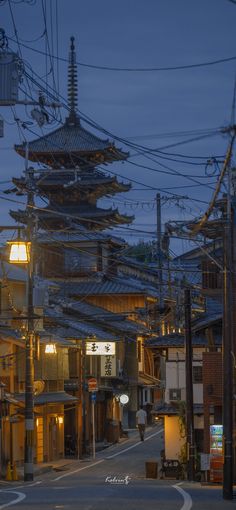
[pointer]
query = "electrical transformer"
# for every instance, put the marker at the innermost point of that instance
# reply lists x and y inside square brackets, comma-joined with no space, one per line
[9,78]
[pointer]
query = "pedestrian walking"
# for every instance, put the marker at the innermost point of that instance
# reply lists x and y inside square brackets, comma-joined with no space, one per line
[141,419]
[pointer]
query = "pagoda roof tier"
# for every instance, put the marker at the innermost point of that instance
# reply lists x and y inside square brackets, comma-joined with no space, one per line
[91,216]
[78,235]
[94,182]
[71,146]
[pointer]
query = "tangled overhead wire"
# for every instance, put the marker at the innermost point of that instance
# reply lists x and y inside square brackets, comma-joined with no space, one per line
[212,167]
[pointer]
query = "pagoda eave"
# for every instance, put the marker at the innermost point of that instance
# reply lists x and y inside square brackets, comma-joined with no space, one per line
[74,158]
[102,219]
[110,185]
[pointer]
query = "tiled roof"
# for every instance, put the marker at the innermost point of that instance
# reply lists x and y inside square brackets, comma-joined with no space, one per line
[71,138]
[148,380]
[73,328]
[178,340]
[56,336]
[214,313]
[104,317]
[82,234]
[48,397]
[80,213]
[206,320]
[80,179]
[132,262]
[11,335]
[110,286]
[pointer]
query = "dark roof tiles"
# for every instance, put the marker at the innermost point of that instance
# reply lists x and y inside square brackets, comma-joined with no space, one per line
[71,139]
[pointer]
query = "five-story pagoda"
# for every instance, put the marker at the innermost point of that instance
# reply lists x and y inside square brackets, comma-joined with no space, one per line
[70,179]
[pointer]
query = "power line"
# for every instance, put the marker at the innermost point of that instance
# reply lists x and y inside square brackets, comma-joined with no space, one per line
[136,69]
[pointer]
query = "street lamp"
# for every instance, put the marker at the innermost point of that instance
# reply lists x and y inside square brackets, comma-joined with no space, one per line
[19,252]
[50,348]
[22,253]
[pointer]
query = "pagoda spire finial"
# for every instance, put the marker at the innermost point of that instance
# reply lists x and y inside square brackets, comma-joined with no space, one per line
[72,83]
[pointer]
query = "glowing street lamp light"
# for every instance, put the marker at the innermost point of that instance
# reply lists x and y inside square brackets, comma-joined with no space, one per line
[50,348]
[19,252]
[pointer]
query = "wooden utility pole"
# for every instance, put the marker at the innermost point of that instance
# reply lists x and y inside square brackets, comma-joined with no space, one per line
[30,339]
[228,290]
[233,360]
[189,386]
[84,406]
[159,250]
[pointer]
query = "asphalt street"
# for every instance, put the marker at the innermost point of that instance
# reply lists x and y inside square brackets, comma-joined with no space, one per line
[116,479]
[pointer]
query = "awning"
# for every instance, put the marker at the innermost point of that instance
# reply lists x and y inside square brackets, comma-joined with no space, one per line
[148,380]
[57,397]
[12,400]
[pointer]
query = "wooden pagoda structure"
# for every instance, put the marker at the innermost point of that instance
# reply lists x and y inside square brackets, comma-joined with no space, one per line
[70,180]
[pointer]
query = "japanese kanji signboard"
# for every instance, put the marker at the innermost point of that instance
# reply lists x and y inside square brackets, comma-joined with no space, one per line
[100,348]
[108,366]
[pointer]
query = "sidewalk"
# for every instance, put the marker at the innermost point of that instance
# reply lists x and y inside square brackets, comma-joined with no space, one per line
[67,463]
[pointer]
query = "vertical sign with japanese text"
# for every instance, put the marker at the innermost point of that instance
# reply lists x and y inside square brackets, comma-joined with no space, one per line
[108,366]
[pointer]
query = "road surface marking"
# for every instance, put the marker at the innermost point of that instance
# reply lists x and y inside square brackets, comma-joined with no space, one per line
[21,496]
[23,486]
[133,446]
[102,460]
[76,471]
[187,498]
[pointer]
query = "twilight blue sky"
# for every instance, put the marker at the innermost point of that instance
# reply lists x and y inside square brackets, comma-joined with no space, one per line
[150,108]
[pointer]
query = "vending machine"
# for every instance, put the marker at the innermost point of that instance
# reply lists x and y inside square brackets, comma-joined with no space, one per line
[216,453]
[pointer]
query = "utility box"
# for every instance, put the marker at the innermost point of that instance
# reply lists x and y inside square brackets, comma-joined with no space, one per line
[9,78]
[151,467]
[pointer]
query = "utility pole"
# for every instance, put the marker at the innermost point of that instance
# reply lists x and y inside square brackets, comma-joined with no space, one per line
[189,386]
[84,421]
[228,276]
[30,339]
[2,388]
[159,250]
[233,359]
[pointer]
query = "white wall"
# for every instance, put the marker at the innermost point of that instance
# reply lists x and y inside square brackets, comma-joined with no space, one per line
[173,441]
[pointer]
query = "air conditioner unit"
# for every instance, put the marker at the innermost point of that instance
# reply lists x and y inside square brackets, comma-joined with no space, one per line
[175,394]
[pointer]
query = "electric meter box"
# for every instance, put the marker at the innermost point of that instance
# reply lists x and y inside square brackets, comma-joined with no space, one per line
[9,78]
